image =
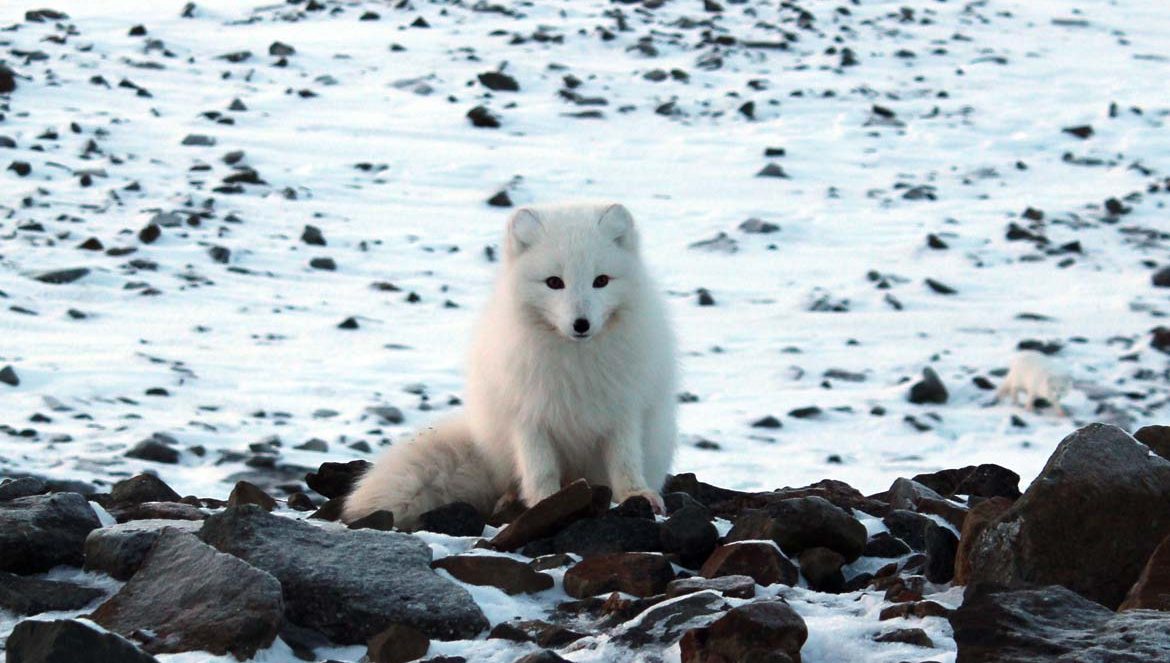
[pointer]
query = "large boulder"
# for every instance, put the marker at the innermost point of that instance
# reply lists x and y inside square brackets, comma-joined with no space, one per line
[32,596]
[1152,589]
[42,531]
[118,550]
[547,517]
[69,641]
[799,523]
[1089,522]
[187,597]
[761,631]
[348,584]
[640,574]
[503,572]
[1053,625]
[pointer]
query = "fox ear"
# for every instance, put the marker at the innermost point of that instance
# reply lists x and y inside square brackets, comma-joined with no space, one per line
[617,223]
[524,228]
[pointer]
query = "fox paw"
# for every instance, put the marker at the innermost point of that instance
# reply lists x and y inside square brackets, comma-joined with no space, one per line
[651,496]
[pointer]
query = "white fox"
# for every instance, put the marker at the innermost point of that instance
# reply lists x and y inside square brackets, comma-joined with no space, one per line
[1038,377]
[571,375]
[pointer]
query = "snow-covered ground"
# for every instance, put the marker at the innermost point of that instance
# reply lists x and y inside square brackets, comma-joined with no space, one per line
[950,123]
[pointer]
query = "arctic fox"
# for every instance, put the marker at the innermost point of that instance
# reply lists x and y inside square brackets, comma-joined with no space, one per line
[1038,377]
[571,375]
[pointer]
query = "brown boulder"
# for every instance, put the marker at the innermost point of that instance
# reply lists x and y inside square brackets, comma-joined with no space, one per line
[546,517]
[640,574]
[764,631]
[977,521]
[1152,589]
[503,572]
[761,560]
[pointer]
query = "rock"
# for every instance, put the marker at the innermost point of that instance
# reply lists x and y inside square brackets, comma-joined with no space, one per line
[762,631]
[9,377]
[1053,625]
[908,526]
[198,140]
[608,534]
[928,390]
[666,622]
[941,548]
[546,517]
[119,550]
[977,520]
[456,519]
[189,597]
[63,276]
[336,479]
[1098,480]
[483,118]
[884,544]
[796,524]
[503,572]
[640,574]
[500,199]
[545,656]
[312,236]
[330,510]
[323,263]
[398,643]
[907,636]
[42,531]
[348,584]
[773,170]
[821,567]
[381,520]
[1081,131]
[1157,438]
[754,226]
[250,493]
[7,80]
[69,641]
[157,511]
[154,450]
[739,587]
[1152,589]
[22,487]
[688,533]
[916,609]
[280,49]
[299,501]
[32,596]
[1161,278]
[499,82]
[977,481]
[761,560]
[542,633]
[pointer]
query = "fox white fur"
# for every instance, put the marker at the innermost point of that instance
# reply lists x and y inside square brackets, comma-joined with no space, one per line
[546,403]
[1036,376]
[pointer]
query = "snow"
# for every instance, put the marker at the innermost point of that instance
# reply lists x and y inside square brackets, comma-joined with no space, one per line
[229,344]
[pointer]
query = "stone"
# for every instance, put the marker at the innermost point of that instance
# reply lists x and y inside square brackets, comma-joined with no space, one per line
[1152,589]
[336,479]
[154,450]
[753,632]
[986,480]
[380,520]
[348,584]
[119,550]
[63,276]
[69,641]
[977,520]
[1161,278]
[665,623]
[546,517]
[739,587]
[499,82]
[42,531]
[455,519]
[884,544]
[483,118]
[916,609]
[796,524]
[188,597]
[545,656]
[908,526]
[157,511]
[312,236]
[929,389]
[608,534]
[9,377]
[542,633]
[689,533]
[761,560]
[22,487]
[250,493]
[398,643]
[139,489]
[1157,438]
[1089,521]
[32,596]
[941,548]
[907,636]
[821,567]
[503,572]
[1053,625]
[640,574]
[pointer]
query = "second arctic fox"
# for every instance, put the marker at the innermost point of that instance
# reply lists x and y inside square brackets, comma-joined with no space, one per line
[571,375]
[1036,376]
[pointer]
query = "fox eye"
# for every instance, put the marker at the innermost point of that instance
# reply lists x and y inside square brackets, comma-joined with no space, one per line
[601,281]
[554,282]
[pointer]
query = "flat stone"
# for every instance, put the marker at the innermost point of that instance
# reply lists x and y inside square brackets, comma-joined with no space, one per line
[740,587]
[665,623]
[546,517]
[512,576]
[42,531]
[119,550]
[639,574]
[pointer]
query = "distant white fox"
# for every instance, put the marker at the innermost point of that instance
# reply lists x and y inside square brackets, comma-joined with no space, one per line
[1036,376]
[572,375]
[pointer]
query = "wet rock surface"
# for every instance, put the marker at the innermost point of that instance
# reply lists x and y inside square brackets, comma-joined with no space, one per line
[42,531]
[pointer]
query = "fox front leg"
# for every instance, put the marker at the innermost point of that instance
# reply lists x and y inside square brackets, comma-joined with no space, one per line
[536,461]
[624,466]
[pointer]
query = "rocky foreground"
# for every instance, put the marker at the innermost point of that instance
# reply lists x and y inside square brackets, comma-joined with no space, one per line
[1077,568]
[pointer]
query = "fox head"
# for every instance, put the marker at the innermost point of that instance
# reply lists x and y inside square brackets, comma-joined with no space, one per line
[573,268]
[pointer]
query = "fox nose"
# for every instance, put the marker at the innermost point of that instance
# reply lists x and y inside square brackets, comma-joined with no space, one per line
[580,325]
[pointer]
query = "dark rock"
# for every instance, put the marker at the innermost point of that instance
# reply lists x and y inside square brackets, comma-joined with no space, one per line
[198,140]
[754,226]
[299,501]
[768,421]
[149,233]
[906,636]
[941,547]
[608,534]
[279,49]
[909,527]
[154,450]
[634,507]
[250,493]
[740,587]
[157,510]
[688,533]
[1053,625]
[312,235]
[32,596]
[884,544]
[483,118]
[187,597]
[11,489]
[42,531]
[330,510]
[759,559]
[1157,438]
[1152,589]
[821,567]
[347,584]
[986,480]
[381,520]
[546,656]
[119,550]
[1081,131]
[773,170]
[977,520]
[640,574]
[398,643]
[503,572]
[1161,278]
[1098,480]
[7,79]
[220,254]
[499,82]
[913,609]
[796,524]
[456,519]
[542,633]
[500,199]
[69,641]
[665,623]
[336,479]
[63,276]
[326,264]
[763,631]
[928,390]
[546,517]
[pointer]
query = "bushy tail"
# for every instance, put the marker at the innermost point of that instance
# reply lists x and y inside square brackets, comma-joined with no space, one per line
[438,466]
